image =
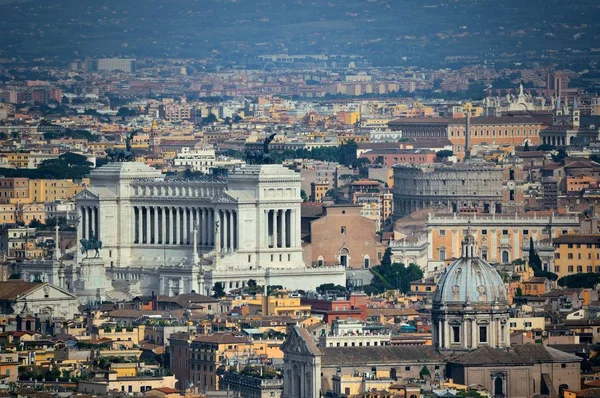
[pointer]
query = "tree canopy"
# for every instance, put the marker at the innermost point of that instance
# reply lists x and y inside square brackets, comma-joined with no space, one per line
[444,153]
[218,290]
[328,287]
[396,276]
[67,166]
[588,280]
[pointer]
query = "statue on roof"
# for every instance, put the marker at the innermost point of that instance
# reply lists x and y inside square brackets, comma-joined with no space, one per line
[122,155]
[257,157]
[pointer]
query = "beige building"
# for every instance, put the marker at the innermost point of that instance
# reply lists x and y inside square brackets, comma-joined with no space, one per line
[502,238]
[52,190]
[102,383]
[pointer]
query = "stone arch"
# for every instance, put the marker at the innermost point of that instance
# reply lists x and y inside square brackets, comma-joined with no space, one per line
[561,389]
[344,256]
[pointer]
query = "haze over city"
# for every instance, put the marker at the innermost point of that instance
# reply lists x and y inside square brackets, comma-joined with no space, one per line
[299,199]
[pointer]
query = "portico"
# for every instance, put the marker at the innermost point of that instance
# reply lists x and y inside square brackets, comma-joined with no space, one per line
[244,225]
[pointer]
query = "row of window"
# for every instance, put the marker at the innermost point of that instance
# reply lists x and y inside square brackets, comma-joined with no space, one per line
[442,232]
[483,334]
[579,246]
[475,133]
[570,256]
[579,268]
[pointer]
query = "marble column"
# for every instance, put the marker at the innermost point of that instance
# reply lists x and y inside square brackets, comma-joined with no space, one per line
[148,225]
[225,233]
[265,225]
[204,219]
[166,225]
[284,235]
[274,228]
[90,222]
[155,218]
[174,225]
[162,229]
[83,224]
[142,234]
[231,230]
[210,223]
[474,340]
[184,237]
[134,218]
[97,221]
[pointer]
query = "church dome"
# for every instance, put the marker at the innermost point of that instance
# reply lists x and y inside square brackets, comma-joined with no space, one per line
[470,280]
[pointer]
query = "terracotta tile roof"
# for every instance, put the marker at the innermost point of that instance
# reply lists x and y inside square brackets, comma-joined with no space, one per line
[579,239]
[589,392]
[334,356]
[125,313]
[11,290]
[518,355]
[222,338]
[392,311]
[188,301]
[166,390]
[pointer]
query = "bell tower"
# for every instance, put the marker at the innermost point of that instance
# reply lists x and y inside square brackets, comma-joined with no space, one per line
[155,138]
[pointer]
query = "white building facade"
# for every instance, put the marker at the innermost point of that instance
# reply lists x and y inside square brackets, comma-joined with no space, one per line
[196,159]
[178,236]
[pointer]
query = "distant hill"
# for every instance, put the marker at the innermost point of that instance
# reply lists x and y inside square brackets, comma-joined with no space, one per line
[384,31]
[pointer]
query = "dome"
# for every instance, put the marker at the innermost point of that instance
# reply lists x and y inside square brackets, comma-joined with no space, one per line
[470,279]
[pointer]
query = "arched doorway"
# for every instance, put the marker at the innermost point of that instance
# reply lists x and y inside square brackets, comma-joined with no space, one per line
[505,257]
[498,387]
[561,389]
[344,254]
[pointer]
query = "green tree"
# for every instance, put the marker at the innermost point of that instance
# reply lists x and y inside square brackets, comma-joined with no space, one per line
[424,373]
[303,195]
[545,147]
[218,290]
[526,147]
[347,153]
[210,119]
[325,287]
[74,159]
[559,155]
[50,222]
[386,261]
[579,281]
[444,154]
[35,223]
[519,292]
[396,276]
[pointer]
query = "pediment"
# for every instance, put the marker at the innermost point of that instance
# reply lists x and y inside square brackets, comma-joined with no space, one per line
[224,198]
[86,194]
[295,344]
